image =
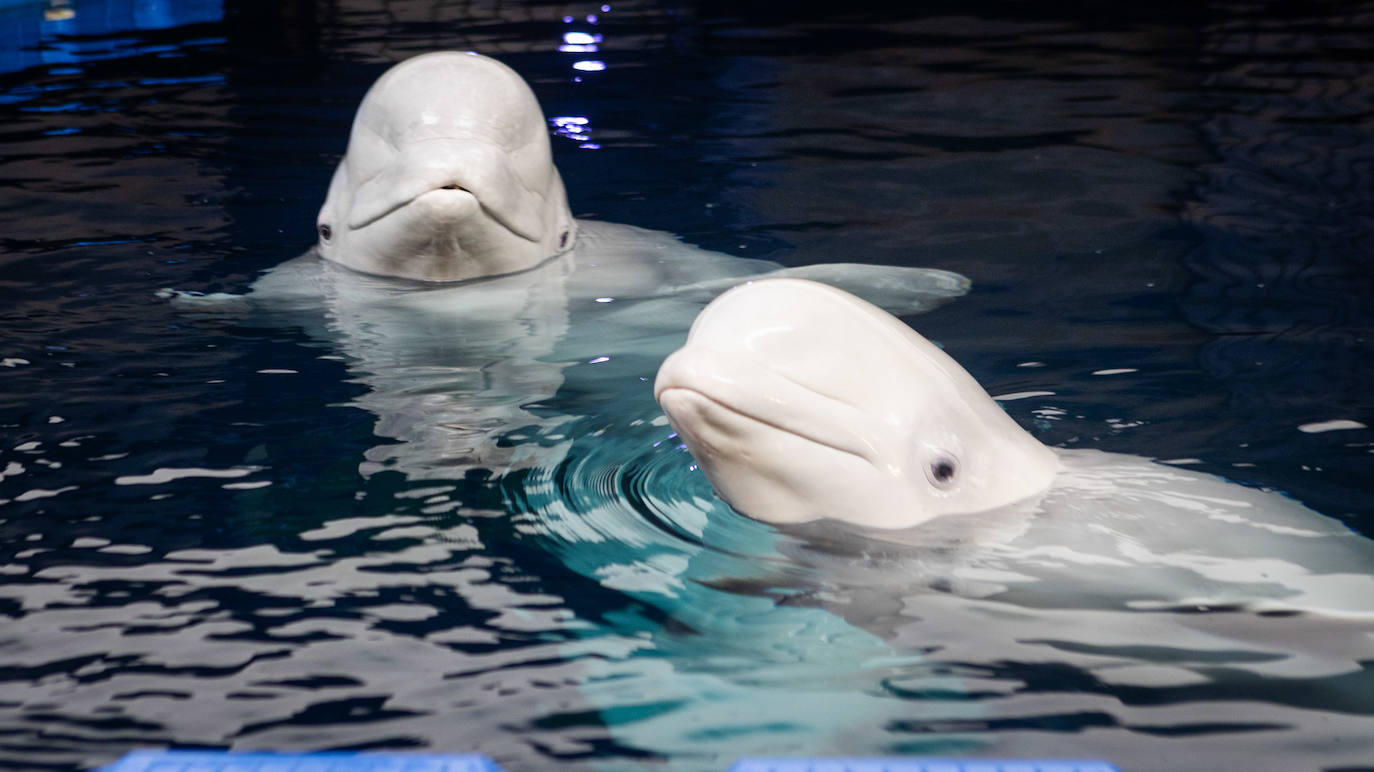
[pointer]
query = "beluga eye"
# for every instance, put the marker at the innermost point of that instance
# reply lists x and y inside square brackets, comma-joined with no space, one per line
[942,470]
[325,231]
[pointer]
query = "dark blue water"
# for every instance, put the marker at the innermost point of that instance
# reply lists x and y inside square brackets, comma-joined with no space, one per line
[1167,217]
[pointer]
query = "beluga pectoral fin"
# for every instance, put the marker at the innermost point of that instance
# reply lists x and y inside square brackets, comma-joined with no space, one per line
[448,176]
[896,289]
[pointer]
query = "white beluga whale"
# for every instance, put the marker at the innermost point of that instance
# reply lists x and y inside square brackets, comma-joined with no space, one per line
[451,275]
[803,403]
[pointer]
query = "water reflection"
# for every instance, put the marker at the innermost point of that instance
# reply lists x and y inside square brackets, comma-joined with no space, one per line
[580,43]
[373,30]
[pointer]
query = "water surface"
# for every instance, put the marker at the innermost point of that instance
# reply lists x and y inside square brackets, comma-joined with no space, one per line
[1167,217]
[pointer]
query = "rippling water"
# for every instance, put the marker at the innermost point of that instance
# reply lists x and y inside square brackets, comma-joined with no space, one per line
[210,537]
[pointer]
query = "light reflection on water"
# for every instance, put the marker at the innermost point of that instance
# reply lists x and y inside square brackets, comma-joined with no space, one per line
[1168,217]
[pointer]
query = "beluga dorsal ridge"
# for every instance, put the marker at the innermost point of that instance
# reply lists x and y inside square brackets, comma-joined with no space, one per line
[448,176]
[801,402]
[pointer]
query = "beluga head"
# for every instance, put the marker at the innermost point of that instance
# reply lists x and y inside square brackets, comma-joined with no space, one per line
[800,402]
[448,175]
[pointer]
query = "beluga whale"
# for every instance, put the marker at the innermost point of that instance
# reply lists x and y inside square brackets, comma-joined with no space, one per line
[448,176]
[450,274]
[803,404]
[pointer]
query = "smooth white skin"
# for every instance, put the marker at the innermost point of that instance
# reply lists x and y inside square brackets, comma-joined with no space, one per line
[448,176]
[800,401]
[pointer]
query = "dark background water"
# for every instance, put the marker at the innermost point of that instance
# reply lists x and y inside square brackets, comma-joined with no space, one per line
[1183,194]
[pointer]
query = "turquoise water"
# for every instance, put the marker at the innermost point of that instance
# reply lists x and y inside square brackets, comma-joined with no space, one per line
[212,537]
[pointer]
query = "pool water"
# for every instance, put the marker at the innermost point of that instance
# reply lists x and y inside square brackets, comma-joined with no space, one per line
[215,536]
